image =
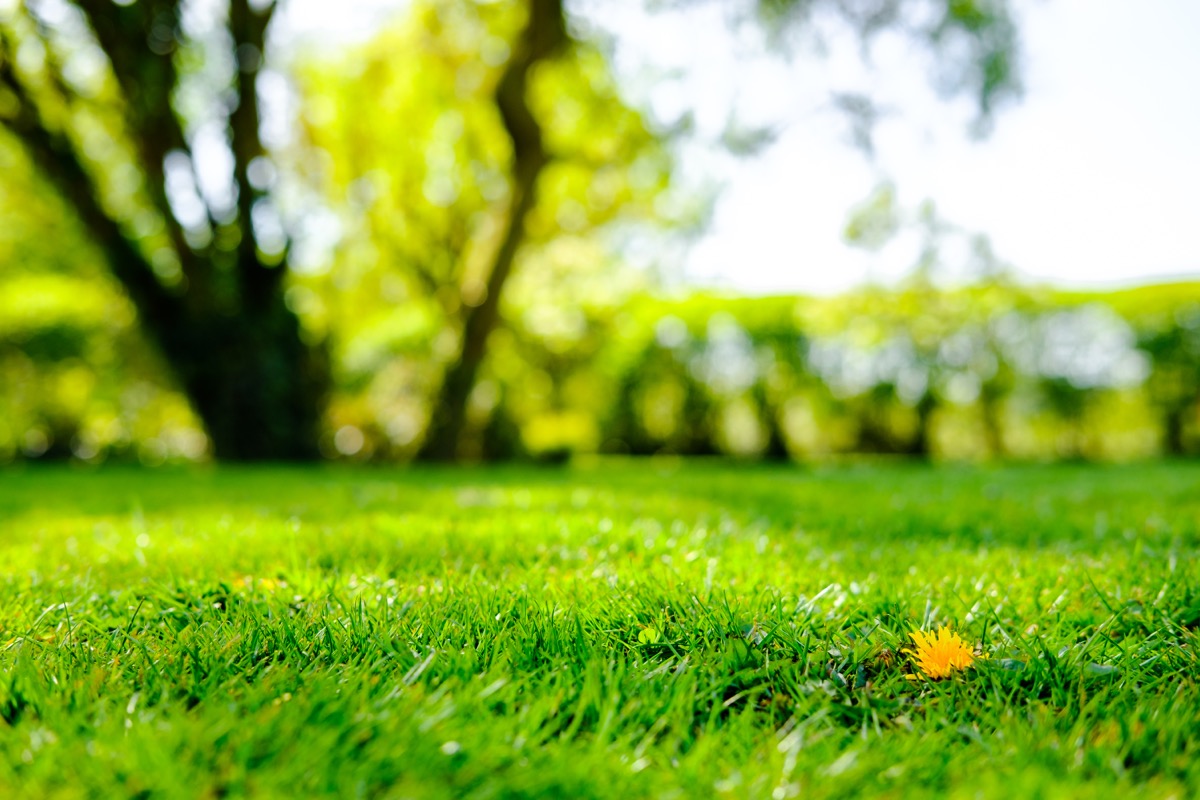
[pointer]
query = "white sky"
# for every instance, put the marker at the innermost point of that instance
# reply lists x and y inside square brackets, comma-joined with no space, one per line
[1093,179]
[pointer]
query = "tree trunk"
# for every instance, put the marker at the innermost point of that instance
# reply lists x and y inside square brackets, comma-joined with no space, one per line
[1173,431]
[921,444]
[258,388]
[993,428]
[776,447]
[544,35]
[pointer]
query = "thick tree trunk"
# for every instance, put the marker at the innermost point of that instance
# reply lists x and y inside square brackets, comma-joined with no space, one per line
[258,388]
[545,34]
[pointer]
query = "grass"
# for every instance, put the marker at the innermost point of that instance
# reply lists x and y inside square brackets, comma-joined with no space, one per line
[619,630]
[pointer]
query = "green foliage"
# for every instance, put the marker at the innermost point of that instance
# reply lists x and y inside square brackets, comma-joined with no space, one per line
[77,378]
[638,629]
[994,370]
[71,83]
[421,194]
[975,42]
[875,221]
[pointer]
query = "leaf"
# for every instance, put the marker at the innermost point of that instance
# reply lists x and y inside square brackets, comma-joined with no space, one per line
[649,636]
[1101,669]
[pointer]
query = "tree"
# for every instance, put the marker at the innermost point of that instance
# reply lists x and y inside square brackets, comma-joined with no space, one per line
[93,91]
[543,37]
[484,196]
[1171,341]
[472,296]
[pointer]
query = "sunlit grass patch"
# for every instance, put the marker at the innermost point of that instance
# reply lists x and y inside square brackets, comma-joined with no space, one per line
[626,629]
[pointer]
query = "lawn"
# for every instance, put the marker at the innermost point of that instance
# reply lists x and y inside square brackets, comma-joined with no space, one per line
[617,629]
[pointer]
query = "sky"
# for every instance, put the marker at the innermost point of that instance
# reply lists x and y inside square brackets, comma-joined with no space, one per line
[1092,179]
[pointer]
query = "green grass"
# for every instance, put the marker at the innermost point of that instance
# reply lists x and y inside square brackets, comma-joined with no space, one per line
[621,630]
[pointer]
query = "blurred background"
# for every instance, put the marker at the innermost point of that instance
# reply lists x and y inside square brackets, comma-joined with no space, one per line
[534,229]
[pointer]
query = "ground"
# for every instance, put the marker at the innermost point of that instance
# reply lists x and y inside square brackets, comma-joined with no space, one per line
[616,629]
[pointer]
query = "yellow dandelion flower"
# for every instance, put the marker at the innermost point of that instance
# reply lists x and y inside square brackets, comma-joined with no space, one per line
[939,655]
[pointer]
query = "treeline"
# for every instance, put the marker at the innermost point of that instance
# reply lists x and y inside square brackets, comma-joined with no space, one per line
[986,372]
[994,371]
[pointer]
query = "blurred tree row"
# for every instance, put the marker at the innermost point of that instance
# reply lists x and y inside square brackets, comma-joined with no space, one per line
[995,370]
[479,163]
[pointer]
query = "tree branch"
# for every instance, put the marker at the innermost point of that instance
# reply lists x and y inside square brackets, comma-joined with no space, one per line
[249,29]
[54,155]
[147,76]
[544,35]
